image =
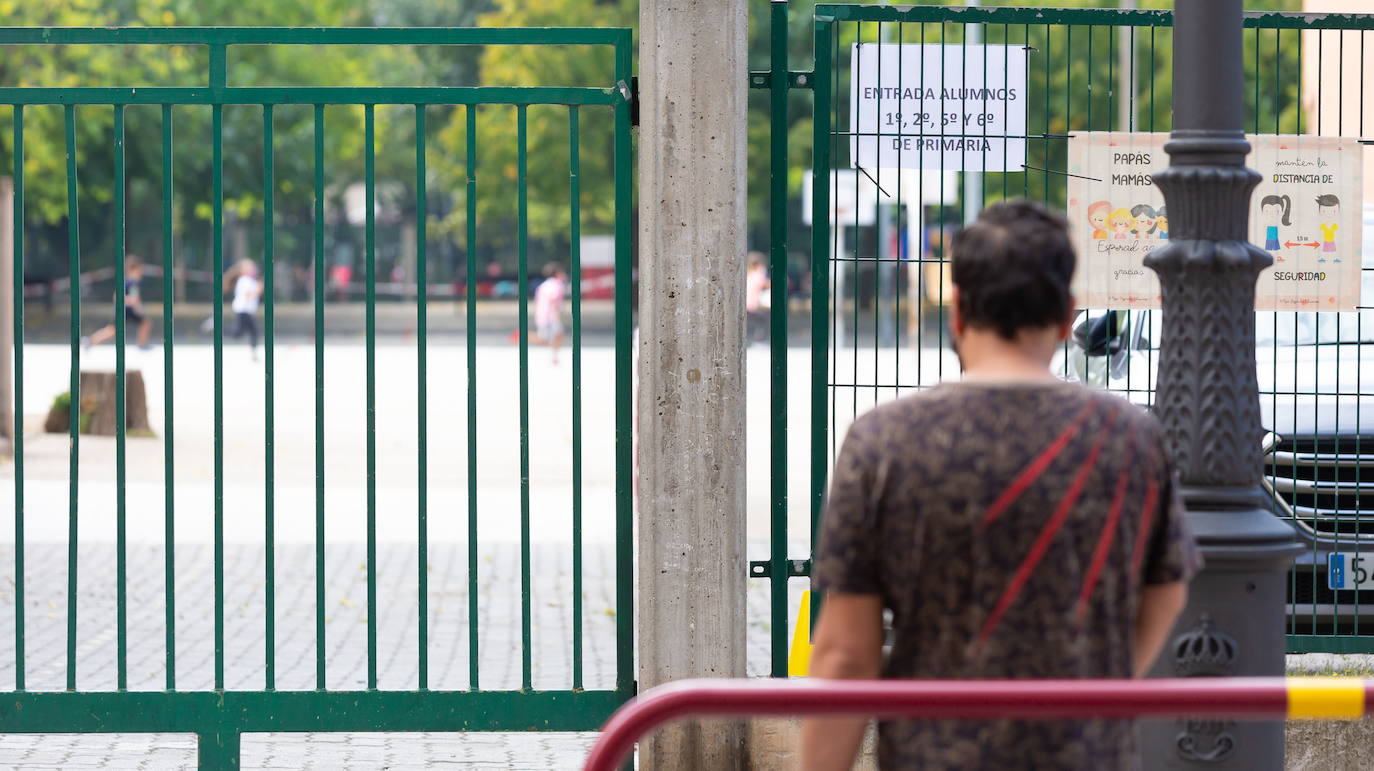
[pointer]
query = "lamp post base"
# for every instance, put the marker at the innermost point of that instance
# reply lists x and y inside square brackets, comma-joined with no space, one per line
[1233,627]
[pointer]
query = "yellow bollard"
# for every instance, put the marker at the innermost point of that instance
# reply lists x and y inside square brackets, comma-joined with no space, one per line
[799,660]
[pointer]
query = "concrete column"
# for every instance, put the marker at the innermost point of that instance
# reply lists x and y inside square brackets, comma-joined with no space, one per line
[693,70]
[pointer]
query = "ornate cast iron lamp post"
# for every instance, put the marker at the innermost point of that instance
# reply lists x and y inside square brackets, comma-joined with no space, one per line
[1208,397]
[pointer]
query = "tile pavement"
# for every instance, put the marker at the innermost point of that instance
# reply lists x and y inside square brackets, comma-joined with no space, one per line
[499,644]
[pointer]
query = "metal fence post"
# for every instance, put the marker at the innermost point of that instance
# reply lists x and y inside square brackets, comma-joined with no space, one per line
[7,327]
[218,751]
[1208,396]
[691,574]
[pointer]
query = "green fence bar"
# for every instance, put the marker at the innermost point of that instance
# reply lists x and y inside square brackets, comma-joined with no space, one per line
[74,423]
[321,267]
[820,278]
[777,269]
[422,391]
[18,220]
[820,249]
[304,95]
[470,333]
[121,424]
[217,248]
[575,265]
[361,36]
[370,257]
[269,404]
[522,247]
[168,411]
[624,397]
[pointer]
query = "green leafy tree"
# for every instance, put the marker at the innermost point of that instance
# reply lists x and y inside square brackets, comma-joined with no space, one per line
[547,142]
[70,66]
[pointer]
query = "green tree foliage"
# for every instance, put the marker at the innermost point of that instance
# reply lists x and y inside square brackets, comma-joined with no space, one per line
[547,137]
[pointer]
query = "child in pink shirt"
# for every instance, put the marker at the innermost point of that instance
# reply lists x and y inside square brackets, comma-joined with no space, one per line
[548,307]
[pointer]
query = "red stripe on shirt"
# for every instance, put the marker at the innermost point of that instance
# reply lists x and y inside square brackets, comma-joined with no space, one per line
[1047,533]
[1104,542]
[1146,519]
[1037,467]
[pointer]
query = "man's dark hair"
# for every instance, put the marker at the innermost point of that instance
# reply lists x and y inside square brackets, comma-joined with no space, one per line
[1013,267]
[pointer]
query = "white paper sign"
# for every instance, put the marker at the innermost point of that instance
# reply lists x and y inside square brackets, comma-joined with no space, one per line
[1305,212]
[942,107]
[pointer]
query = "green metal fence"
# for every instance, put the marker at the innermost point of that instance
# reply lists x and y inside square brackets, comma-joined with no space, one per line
[878,296]
[219,715]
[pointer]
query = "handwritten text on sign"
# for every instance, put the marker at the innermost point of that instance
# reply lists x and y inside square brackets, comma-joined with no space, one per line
[950,107]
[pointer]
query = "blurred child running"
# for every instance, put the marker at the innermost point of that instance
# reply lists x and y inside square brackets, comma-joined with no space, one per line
[133,307]
[247,294]
[548,308]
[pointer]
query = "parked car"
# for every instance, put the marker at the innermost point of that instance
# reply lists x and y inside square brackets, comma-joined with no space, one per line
[1316,382]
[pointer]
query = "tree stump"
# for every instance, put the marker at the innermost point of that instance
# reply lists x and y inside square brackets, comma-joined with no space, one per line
[98,401]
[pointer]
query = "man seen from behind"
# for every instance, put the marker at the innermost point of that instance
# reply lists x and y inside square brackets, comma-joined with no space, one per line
[1015,526]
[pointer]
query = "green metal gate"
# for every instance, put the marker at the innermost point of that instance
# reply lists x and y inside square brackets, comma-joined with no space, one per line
[883,334]
[218,716]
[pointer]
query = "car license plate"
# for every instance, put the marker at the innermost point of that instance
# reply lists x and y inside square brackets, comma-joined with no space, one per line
[1350,571]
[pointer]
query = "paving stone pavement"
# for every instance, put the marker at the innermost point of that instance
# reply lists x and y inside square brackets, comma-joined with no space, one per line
[499,644]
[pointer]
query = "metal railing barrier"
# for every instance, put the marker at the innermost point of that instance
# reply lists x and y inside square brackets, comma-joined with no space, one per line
[1293,698]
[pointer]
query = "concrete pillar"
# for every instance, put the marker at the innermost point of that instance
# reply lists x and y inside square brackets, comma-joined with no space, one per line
[691,363]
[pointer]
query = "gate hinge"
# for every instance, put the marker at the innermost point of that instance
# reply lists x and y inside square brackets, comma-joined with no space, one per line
[634,100]
[764,568]
[795,79]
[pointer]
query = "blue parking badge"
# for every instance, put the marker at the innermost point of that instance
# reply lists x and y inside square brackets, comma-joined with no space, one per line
[1335,571]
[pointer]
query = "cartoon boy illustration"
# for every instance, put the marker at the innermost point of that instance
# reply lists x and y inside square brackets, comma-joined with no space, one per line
[1162,223]
[1097,217]
[1275,211]
[1144,220]
[1120,222]
[1328,211]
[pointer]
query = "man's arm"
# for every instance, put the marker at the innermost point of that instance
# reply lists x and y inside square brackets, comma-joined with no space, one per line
[1160,605]
[848,646]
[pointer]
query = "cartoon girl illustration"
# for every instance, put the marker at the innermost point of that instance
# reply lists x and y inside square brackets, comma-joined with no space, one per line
[1328,211]
[1097,218]
[1275,210]
[1144,220]
[1162,223]
[1120,223]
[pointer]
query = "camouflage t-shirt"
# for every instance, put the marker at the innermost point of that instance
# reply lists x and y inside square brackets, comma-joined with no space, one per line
[1009,528]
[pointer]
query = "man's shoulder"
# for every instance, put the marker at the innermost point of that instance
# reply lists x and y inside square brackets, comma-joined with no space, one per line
[955,400]
[1126,412]
[917,406]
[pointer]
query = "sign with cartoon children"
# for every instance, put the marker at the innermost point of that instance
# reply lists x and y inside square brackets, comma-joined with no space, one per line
[1305,212]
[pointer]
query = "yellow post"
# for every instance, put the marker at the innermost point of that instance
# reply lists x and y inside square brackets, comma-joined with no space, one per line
[799,660]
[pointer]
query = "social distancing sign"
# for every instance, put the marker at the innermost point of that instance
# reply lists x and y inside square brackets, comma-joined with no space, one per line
[1305,212]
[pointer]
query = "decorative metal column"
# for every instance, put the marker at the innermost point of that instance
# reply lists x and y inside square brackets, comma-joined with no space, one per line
[1208,398]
